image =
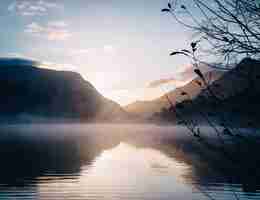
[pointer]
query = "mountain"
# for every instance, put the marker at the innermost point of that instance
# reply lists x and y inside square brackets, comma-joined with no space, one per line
[237,93]
[29,93]
[148,108]
[243,78]
[234,96]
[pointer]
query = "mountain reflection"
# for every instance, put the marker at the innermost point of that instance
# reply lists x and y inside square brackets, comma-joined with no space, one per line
[29,153]
[111,162]
[126,171]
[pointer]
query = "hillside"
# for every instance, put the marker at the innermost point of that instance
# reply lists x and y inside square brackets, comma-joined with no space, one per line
[245,76]
[30,93]
[148,108]
[235,97]
[238,92]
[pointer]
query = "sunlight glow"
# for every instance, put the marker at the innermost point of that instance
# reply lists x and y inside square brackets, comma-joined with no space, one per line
[137,169]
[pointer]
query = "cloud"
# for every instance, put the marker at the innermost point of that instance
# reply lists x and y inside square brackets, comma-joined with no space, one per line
[181,78]
[188,72]
[33,7]
[56,30]
[58,35]
[158,83]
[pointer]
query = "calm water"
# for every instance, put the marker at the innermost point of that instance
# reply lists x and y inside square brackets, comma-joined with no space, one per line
[110,162]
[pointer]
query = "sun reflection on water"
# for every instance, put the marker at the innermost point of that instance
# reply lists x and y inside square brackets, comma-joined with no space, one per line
[126,172]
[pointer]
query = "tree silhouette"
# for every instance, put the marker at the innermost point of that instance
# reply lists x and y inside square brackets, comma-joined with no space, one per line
[227,28]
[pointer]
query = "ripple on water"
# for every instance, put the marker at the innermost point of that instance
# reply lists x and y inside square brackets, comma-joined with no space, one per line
[66,168]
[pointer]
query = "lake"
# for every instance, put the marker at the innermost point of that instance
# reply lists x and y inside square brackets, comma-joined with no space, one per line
[96,162]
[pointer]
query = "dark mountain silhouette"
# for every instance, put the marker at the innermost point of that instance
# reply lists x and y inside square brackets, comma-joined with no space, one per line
[18,62]
[238,94]
[234,95]
[28,91]
[148,108]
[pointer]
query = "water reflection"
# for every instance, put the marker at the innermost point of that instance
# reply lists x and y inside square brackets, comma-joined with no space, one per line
[111,162]
[126,172]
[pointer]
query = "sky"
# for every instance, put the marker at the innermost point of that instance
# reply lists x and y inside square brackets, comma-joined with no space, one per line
[121,47]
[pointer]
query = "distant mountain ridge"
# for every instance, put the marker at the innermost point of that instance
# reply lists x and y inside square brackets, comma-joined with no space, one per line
[148,108]
[234,94]
[28,91]
[238,91]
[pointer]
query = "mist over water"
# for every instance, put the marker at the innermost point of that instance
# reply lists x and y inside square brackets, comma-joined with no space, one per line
[76,161]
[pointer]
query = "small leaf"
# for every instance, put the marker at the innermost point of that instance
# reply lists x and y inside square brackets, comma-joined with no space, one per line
[198,72]
[178,52]
[183,7]
[197,133]
[225,39]
[194,45]
[165,10]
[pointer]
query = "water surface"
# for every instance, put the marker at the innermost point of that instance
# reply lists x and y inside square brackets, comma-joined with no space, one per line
[110,162]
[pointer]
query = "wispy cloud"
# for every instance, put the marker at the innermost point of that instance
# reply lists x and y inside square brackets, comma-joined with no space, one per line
[158,83]
[56,30]
[33,7]
[181,78]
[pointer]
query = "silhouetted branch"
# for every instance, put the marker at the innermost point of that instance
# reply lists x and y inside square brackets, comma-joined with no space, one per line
[230,27]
